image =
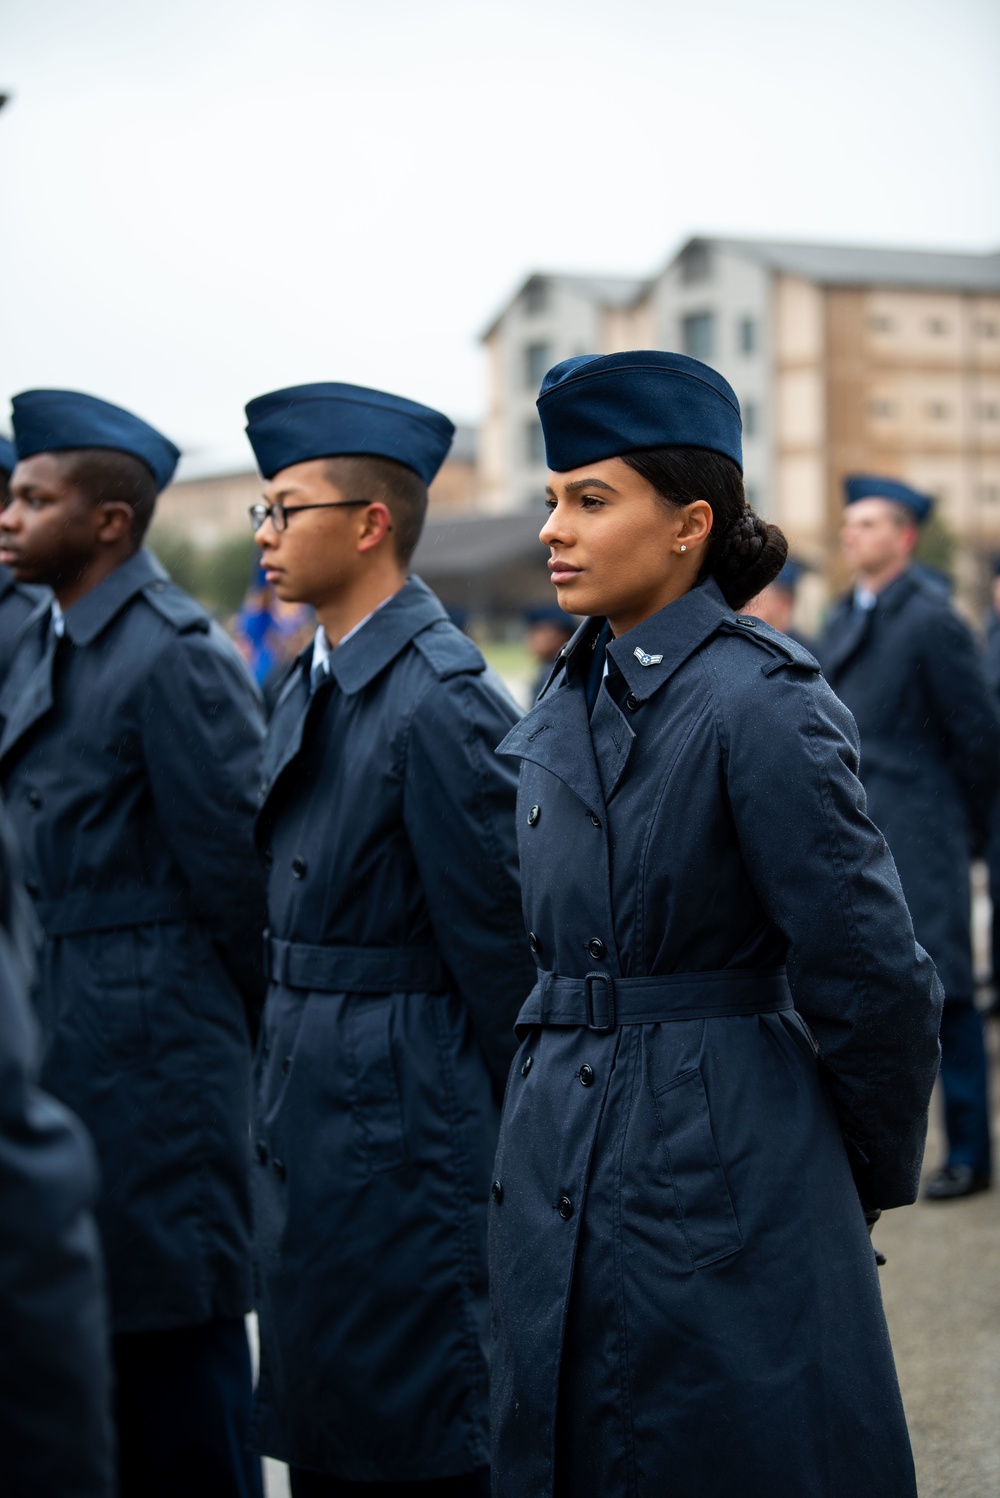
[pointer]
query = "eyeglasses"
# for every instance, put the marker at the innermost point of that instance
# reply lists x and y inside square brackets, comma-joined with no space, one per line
[278,513]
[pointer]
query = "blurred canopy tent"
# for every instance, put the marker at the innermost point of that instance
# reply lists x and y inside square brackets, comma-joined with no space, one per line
[485,564]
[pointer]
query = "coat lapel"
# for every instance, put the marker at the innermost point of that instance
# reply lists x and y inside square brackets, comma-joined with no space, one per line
[287,726]
[612,737]
[846,633]
[556,736]
[27,693]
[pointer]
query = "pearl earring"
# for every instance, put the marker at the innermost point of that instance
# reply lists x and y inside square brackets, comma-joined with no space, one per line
[683,548]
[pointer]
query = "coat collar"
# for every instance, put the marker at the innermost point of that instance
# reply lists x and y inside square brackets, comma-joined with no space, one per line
[389,630]
[648,655]
[559,736]
[851,626]
[92,613]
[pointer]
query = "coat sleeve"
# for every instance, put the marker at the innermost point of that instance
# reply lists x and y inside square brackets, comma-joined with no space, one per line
[55,1383]
[203,741]
[966,716]
[458,808]
[824,874]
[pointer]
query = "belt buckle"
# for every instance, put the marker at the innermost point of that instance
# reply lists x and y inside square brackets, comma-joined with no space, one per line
[596,1021]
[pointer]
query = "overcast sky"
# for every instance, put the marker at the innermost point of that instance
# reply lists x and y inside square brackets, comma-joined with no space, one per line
[207,199]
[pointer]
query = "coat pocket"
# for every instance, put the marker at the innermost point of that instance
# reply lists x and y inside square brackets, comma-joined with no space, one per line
[699,1183]
[376,1099]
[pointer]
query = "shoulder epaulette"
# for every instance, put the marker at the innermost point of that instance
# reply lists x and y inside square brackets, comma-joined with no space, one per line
[447,651]
[176,606]
[782,650]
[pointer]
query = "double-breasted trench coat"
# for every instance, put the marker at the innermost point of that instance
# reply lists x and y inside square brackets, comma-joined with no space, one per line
[55,1383]
[930,751]
[17,604]
[399,964]
[129,759]
[731,1043]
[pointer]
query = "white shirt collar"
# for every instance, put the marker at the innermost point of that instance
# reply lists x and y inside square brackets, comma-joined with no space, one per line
[58,620]
[864,598]
[322,649]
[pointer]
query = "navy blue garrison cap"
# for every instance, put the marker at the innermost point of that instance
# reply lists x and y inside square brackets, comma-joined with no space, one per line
[329,421]
[790,574]
[54,421]
[8,456]
[873,486]
[601,406]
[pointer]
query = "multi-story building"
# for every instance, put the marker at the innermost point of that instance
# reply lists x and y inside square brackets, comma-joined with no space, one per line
[844,360]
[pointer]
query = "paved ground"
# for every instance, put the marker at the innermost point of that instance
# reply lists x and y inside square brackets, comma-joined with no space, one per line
[942,1297]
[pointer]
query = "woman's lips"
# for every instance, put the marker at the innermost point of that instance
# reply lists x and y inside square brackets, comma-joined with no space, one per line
[562,572]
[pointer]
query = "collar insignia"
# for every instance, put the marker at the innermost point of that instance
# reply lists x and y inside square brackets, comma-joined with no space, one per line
[646,660]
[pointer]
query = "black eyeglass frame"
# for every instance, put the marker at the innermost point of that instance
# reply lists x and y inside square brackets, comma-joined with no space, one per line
[260,512]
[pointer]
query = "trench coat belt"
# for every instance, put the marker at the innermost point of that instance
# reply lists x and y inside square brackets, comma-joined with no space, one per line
[600,1001]
[334,969]
[112,910]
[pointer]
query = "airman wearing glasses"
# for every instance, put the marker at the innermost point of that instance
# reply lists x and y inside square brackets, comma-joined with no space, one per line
[397,966]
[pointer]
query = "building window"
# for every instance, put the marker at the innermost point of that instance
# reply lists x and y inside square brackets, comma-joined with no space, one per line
[989,412]
[937,411]
[536,295]
[537,359]
[534,443]
[990,493]
[696,263]
[747,335]
[880,323]
[751,419]
[882,409]
[698,335]
[988,329]
[937,326]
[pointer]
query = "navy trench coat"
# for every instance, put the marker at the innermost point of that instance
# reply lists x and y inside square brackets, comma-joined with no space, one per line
[17,604]
[129,758]
[398,967]
[55,1383]
[684,1292]
[909,671]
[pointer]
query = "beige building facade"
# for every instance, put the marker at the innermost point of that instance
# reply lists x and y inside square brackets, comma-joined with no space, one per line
[844,360]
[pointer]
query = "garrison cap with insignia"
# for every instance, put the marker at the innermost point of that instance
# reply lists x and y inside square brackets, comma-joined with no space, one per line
[331,420]
[601,406]
[873,486]
[53,421]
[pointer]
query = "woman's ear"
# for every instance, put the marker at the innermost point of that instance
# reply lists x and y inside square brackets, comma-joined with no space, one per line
[696,525]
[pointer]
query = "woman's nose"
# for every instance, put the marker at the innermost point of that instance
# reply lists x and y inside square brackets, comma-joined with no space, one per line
[552,532]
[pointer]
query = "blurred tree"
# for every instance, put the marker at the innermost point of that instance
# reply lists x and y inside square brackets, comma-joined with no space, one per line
[937,546]
[225,574]
[217,576]
[179,556]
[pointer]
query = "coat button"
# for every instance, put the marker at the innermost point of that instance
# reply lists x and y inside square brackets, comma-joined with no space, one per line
[533,815]
[586,1075]
[565,1208]
[533,943]
[260,1150]
[526,1065]
[299,867]
[496,1192]
[279,1169]
[34,800]
[631,702]
[595,947]
[594,818]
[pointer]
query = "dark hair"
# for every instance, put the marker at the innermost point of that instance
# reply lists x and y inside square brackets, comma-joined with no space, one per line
[745,553]
[361,476]
[103,473]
